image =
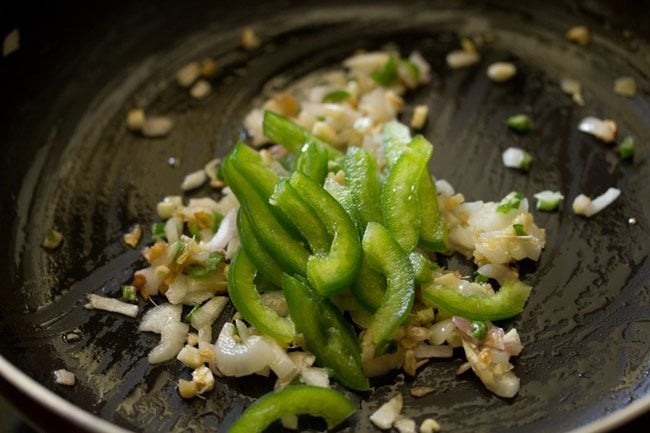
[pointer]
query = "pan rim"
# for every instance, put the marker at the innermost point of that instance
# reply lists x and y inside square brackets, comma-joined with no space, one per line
[92,423]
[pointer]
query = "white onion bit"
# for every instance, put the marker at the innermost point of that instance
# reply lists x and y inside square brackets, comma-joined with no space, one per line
[501,71]
[583,205]
[405,425]
[605,130]
[625,86]
[385,416]
[194,180]
[227,230]
[158,317]
[64,377]
[461,59]
[97,302]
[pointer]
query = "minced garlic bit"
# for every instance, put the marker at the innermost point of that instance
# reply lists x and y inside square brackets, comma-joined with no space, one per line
[188,74]
[209,68]
[461,59]
[64,377]
[429,425]
[97,302]
[52,239]
[419,116]
[632,221]
[501,71]
[290,422]
[157,126]
[573,88]
[194,180]
[405,425]
[186,388]
[625,86]
[385,416]
[583,205]
[201,89]
[421,391]
[135,119]
[605,130]
[11,43]
[578,35]
[249,39]
[133,236]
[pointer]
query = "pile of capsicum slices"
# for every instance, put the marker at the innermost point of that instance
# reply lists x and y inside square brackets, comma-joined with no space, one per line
[329,258]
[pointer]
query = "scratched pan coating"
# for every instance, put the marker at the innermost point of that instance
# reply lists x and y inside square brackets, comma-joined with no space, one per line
[68,162]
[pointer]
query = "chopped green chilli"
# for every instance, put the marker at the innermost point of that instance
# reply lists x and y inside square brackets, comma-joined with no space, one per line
[510,202]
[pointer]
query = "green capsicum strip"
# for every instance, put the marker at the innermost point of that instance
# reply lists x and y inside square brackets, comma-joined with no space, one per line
[249,163]
[396,137]
[433,228]
[421,267]
[246,299]
[336,269]
[507,302]
[284,131]
[312,161]
[276,239]
[385,255]
[326,332]
[344,196]
[363,179]
[400,194]
[333,406]
[256,252]
[288,200]
[369,287]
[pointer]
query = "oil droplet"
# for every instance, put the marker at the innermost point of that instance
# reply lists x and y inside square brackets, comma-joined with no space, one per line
[172,161]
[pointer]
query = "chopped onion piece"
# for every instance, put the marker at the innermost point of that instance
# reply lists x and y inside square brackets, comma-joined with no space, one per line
[426,351]
[385,416]
[461,59]
[574,89]
[315,376]
[173,229]
[172,340]
[441,331]
[429,425]
[188,74]
[421,391]
[203,318]
[604,130]
[187,290]
[515,157]
[194,180]
[157,126]
[583,205]
[625,86]
[201,89]
[203,378]
[502,383]
[512,342]
[64,377]
[444,188]
[548,200]
[241,359]
[227,230]
[501,71]
[158,317]
[419,116]
[190,356]
[501,273]
[97,302]
[405,425]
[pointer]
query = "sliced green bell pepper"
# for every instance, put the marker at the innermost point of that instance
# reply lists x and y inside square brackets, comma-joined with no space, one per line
[335,270]
[308,223]
[326,332]
[421,267]
[312,161]
[386,256]
[433,228]
[276,239]
[246,299]
[400,194]
[344,196]
[396,137]
[284,131]
[363,179]
[507,302]
[333,406]
[256,252]
[369,287]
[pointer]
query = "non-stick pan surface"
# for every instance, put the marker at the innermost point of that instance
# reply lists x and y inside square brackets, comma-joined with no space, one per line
[68,162]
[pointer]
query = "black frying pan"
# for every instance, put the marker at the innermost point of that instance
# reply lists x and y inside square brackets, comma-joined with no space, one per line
[68,162]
